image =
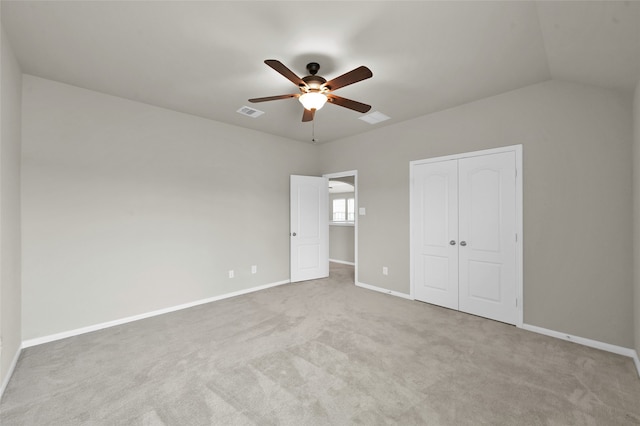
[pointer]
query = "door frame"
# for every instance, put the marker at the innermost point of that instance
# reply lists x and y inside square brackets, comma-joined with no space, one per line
[517,149]
[349,173]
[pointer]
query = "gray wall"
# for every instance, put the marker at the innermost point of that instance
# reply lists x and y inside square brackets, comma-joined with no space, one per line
[129,208]
[342,243]
[636,214]
[341,238]
[577,198]
[10,303]
[152,200]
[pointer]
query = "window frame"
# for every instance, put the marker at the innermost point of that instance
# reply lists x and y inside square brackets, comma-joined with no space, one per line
[349,202]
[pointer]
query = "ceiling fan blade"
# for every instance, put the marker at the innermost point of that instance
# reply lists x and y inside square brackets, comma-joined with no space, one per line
[274,98]
[353,76]
[286,72]
[307,115]
[348,103]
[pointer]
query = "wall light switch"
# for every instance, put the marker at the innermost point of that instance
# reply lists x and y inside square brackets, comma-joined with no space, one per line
[362,211]
[254,269]
[385,270]
[231,274]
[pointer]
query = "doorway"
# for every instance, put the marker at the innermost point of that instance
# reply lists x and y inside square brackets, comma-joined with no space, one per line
[343,221]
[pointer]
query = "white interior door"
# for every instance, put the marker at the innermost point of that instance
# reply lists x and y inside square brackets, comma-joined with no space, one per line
[435,233]
[309,232]
[487,229]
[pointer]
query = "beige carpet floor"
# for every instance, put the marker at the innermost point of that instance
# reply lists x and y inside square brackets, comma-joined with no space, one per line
[319,353]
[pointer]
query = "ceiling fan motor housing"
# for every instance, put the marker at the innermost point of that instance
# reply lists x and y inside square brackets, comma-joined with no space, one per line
[313,83]
[313,68]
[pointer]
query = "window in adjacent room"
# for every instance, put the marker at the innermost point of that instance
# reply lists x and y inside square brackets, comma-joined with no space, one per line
[343,210]
[342,203]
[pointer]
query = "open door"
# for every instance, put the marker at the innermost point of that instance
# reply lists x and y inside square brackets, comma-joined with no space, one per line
[309,231]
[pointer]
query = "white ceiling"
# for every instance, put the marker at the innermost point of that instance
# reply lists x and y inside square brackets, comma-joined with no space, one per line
[338,187]
[206,58]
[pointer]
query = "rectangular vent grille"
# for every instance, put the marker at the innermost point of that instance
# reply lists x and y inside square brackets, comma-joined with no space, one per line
[250,112]
[374,117]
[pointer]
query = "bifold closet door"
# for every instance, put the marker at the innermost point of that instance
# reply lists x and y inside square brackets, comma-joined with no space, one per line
[487,230]
[435,227]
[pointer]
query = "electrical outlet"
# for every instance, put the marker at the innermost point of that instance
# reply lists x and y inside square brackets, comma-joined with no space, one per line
[254,269]
[385,270]
[231,274]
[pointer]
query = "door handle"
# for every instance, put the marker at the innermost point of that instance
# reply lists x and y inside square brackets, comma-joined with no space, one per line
[452,242]
[294,234]
[463,243]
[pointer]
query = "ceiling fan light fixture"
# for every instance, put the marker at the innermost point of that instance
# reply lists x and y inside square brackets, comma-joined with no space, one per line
[315,90]
[313,100]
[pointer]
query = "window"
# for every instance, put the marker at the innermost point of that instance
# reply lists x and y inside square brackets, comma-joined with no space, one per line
[343,210]
[339,210]
[351,209]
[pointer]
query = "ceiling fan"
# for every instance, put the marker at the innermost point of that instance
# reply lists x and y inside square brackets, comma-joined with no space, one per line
[315,91]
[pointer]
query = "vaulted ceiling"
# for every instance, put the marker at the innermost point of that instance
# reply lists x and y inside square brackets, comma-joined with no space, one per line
[206,58]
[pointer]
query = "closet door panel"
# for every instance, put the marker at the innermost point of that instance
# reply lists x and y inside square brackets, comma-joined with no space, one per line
[435,226]
[487,229]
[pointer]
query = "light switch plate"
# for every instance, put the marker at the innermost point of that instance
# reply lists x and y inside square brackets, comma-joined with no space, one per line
[362,211]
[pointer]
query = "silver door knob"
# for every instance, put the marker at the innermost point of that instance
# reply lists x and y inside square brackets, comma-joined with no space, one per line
[452,242]
[463,243]
[294,234]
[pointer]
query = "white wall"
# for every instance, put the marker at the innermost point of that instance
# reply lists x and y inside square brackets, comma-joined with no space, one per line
[129,208]
[10,303]
[636,215]
[577,198]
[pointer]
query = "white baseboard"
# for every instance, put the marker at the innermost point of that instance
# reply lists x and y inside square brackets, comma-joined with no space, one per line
[584,341]
[96,327]
[344,262]
[12,367]
[636,360]
[384,290]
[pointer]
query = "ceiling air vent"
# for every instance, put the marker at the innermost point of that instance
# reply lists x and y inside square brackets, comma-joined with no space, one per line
[374,117]
[250,112]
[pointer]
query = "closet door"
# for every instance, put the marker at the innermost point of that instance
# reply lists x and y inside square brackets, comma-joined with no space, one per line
[487,229]
[435,232]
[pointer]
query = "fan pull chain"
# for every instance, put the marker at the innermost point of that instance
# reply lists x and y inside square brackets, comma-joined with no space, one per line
[313,130]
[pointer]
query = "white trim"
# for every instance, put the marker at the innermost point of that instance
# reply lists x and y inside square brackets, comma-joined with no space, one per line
[519,217]
[636,361]
[582,340]
[10,371]
[411,236]
[96,327]
[520,231]
[353,173]
[461,155]
[384,290]
[344,262]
